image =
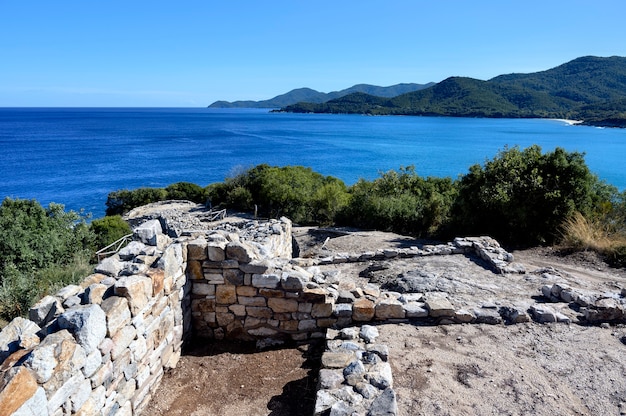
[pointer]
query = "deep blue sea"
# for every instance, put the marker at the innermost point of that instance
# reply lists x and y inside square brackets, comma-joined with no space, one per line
[76,156]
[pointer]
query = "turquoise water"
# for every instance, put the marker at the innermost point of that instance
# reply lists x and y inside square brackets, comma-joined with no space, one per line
[77,156]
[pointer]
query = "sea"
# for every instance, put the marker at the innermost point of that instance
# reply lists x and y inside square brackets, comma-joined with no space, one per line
[76,156]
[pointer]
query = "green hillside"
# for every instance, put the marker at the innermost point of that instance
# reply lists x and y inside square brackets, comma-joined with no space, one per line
[311,96]
[589,88]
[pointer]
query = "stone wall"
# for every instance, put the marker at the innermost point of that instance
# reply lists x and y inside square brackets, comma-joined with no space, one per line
[102,347]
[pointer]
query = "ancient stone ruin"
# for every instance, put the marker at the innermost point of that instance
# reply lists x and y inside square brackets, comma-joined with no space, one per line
[102,347]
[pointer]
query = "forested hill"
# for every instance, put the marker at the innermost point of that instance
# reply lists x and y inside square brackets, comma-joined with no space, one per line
[311,96]
[590,88]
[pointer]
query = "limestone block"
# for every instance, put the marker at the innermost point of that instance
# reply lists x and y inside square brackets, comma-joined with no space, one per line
[148,231]
[248,291]
[158,281]
[385,404]
[171,261]
[104,376]
[216,251]
[259,312]
[55,359]
[92,363]
[18,386]
[117,313]
[282,305]
[343,310]
[269,281]
[322,310]
[238,310]
[439,306]
[203,289]
[19,333]
[233,277]
[363,310]
[257,266]
[96,292]
[272,293]
[463,316]
[252,301]
[214,278]
[111,266]
[225,294]
[136,290]
[415,310]
[194,270]
[45,310]
[314,295]
[122,340]
[132,250]
[543,313]
[197,249]
[239,251]
[307,325]
[224,318]
[87,323]
[487,316]
[389,309]
[293,281]
[203,305]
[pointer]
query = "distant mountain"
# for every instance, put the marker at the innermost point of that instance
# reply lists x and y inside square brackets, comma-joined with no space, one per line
[589,88]
[311,96]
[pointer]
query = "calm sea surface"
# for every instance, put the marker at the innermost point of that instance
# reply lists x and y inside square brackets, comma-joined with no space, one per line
[77,156]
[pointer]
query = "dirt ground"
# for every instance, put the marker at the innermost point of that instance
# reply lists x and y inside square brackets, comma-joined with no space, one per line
[549,369]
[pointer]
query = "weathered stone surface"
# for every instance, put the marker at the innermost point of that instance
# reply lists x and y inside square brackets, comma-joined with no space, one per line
[225,294]
[330,379]
[363,310]
[171,261]
[132,250]
[487,316]
[111,266]
[343,310]
[136,289]
[322,310]
[380,376]
[197,249]
[58,354]
[19,333]
[336,359]
[241,252]
[96,292]
[389,309]
[415,310]
[269,281]
[543,313]
[279,305]
[63,393]
[384,405]
[148,231]
[45,310]
[37,405]
[257,266]
[158,281]
[293,281]
[368,333]
[87,323]
[122,340]
[439,306]
[117,313]
[19,385]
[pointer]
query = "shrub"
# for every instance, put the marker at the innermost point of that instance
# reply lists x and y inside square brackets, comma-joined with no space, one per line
[523,197]
[41,249]
[122,201]
[401,201]
[108,229]
[186,191]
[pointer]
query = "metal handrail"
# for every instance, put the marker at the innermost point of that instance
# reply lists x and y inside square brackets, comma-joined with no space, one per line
[214,215]
[118,244]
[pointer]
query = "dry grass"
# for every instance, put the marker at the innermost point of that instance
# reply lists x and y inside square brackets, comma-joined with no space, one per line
[584,234]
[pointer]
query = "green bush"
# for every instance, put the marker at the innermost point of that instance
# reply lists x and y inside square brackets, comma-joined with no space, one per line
[122,201]
[108,229]
[522,197]
[186,191]
[41,249]
[401,201]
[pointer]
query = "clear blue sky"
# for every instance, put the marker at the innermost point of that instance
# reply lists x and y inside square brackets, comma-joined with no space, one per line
[191,53]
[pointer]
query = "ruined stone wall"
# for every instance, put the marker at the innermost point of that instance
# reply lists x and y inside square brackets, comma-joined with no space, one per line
[102,347]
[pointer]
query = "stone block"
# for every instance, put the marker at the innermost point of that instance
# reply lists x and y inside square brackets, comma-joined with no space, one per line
[203,289]
[117,314]
[389,309]
[136,289]
[96,292]
[233,277]
[293,281]
[259,312]
[415,310]
[322,310]
[19,387]
[157,277]
[87,323]
[239,251]
[19,333]
[148,231]
[122,340]
[268,281]
[314,295]
[215,251]
[197,249]
[272,293]
[45,310]
[363,310]
[246,291]
[238,310]
[172,260]
[252,301]
[439,306]
[283,305]
[111,266]
[225,294]
[194,270]
[256,266]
